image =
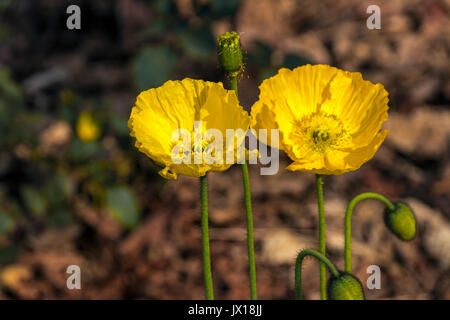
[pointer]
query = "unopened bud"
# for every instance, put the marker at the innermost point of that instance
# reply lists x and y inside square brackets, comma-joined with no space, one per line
[345,287]
[401,221]
[229,52]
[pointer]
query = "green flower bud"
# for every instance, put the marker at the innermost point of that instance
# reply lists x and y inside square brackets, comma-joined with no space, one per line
[401,221]
[345,287]
[230,53]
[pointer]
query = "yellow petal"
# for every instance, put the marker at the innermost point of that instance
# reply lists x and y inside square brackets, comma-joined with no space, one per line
[359,104]
[288,96]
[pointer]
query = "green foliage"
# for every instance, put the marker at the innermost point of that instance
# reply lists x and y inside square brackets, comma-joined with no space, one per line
[80,151]
[119,124]
[224,7]
[292,61]
[8,254]
[33,200]
[122,205]
[164,6]
[153,66]
[197,43]
[5,3]
[6,223]
[58,189]
[10,97]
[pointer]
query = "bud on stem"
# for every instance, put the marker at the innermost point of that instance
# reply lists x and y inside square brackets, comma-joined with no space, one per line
[401,221]
[230,54]
[345,287]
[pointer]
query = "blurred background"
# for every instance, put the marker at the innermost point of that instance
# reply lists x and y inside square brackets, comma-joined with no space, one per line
[75,190]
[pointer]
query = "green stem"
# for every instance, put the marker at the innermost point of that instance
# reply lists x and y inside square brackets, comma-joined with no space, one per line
[322,270]
[205,239]
[298,268]
[348,223]
[233,82]
[249,216]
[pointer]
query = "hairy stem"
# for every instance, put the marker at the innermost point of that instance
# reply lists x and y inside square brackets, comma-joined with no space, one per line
[348,222]
[298,268]
[249,216]
[322,249]
[205,239]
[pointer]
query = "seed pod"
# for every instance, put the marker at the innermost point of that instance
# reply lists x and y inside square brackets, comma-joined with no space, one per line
[230,53]
[345,287]
[401,221]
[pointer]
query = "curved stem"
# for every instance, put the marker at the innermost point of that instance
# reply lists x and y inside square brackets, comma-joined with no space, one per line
[348,222]
[298,268]
[323,280]
[249,216]
[205,238]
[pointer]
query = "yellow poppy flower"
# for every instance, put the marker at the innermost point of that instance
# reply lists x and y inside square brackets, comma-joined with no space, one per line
[88,129]
[162,116]
[329,120]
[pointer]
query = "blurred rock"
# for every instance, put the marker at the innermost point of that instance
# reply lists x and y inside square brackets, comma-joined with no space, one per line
[281,246]
[435,231]
[57,135]
[429,136]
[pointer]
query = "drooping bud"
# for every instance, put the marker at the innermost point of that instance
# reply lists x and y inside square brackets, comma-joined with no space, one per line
[345,287]
[230,53]
[401,221]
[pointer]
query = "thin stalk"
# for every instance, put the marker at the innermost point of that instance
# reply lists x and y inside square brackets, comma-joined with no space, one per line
[348,223]
[249,216]
[322,248]
[298,268]
[205,239]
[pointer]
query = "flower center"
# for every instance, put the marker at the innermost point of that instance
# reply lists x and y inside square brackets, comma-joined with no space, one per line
[321,133]
[199,147]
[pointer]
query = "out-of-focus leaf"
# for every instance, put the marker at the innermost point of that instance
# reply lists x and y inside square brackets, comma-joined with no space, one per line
[224,7]
[3,33]
[119,124]
[122,205]
[164,6]
[33,200]
[260,55]
[292,61]
[61,218]
[5,3]
[10,100]
[153,66]
[6,223]
[58,189]
[8,254]
[153,29]
[80,151]
[8,88]
[198,43]
[265,73]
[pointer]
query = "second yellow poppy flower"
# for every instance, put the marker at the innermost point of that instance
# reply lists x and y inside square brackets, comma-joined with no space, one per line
[329,120]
